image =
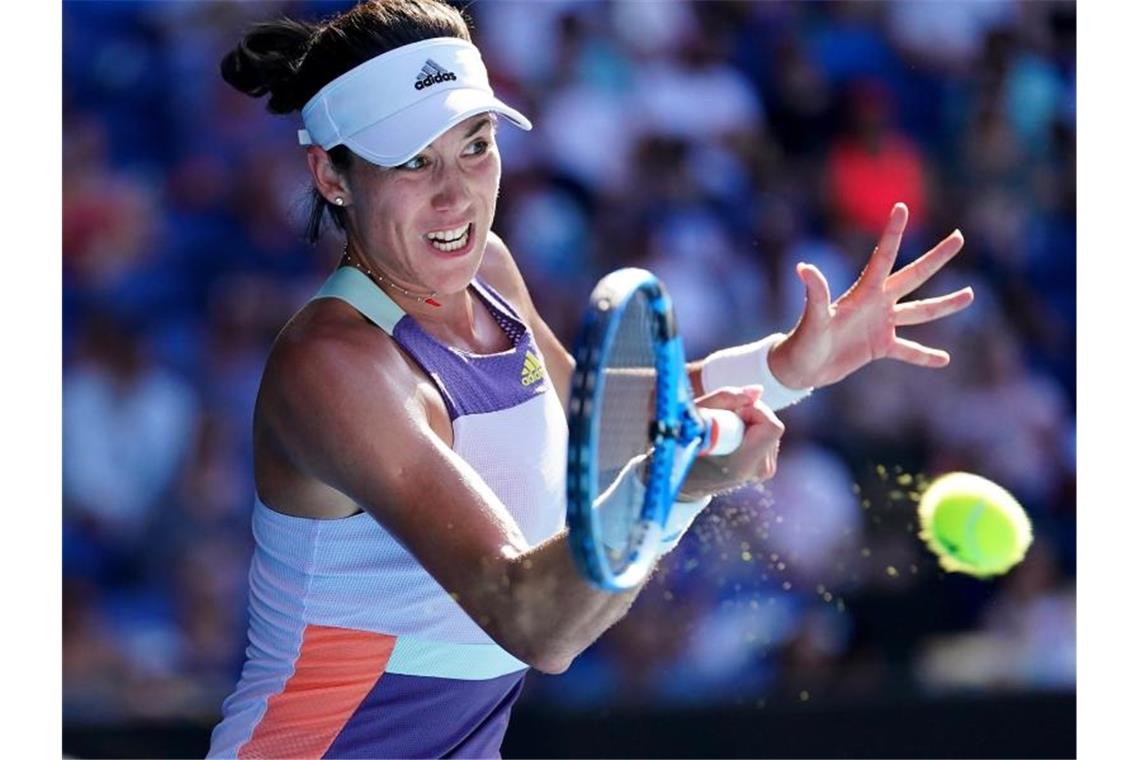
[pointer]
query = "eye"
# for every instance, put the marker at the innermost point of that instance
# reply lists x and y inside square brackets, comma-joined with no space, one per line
[414,163]
[477,147]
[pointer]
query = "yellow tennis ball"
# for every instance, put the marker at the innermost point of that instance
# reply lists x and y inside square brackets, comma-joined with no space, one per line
[974,525]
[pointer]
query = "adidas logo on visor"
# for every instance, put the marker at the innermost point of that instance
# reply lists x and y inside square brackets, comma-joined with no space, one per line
[532,371]
[433,73]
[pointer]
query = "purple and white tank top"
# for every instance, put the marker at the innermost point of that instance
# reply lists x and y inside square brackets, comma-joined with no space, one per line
[354,649]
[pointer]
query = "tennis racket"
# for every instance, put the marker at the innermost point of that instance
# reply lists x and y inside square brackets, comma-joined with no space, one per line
[632,416]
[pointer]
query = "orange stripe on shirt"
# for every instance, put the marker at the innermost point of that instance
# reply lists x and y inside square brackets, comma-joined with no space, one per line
[334,671]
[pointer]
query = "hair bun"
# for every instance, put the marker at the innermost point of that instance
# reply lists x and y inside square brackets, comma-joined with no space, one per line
[267,60]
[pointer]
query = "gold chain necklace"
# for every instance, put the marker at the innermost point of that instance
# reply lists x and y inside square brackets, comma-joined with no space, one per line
[429,299]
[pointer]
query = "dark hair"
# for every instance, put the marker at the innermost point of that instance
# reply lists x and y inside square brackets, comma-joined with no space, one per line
[292,60]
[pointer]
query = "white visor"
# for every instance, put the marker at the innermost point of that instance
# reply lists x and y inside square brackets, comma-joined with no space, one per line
[389,108]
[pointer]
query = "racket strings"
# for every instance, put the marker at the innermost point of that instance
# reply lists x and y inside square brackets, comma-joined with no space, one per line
[626,413]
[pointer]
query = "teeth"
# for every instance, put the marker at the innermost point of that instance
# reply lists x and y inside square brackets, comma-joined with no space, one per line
[447,236]
[449,245]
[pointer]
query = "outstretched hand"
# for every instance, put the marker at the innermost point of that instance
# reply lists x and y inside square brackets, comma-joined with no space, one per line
[832,340]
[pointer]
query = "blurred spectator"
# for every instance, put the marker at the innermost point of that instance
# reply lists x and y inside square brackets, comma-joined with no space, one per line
[717,294]
[93,669]
[873,166]
[108,215]
[667,88]
[126,424]
[820,525]
[1006,422]
[946,36]
[653,30]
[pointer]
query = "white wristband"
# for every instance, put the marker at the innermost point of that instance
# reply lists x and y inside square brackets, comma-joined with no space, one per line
[748,365]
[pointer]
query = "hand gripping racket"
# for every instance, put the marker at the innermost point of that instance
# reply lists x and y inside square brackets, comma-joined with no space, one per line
[632,415]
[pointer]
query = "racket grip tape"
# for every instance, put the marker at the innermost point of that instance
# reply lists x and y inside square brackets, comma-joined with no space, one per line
[725,431]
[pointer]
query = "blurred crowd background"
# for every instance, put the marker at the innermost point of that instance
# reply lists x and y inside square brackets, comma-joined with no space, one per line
[717,144]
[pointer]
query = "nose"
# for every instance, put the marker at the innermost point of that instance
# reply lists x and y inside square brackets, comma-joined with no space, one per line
[451,191]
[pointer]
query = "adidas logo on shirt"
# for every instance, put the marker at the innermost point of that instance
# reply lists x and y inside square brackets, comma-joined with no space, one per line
[532,371]
[433,73]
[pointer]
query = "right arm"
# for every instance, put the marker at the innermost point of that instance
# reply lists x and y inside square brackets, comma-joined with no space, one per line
[347,418]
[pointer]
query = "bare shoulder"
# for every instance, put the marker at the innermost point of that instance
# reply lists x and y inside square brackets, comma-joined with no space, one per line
[327,348]
[328,372]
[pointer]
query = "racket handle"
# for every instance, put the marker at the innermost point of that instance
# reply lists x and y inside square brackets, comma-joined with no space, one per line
[726,431]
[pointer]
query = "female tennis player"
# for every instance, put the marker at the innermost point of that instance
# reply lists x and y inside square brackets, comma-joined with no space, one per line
[410,434]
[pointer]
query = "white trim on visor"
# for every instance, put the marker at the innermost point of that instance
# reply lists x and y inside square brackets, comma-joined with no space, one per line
[389,108]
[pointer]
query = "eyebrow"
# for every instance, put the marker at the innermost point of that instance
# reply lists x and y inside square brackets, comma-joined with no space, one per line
[478,125]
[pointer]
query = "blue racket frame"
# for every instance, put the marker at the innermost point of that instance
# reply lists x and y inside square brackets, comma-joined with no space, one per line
[677,433]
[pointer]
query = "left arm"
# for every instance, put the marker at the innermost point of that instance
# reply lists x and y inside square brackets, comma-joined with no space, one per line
[832,340]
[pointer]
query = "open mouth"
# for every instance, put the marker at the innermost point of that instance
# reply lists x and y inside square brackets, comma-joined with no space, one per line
[451,241]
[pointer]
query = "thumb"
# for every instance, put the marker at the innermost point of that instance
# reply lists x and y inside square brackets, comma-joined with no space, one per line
[817,291]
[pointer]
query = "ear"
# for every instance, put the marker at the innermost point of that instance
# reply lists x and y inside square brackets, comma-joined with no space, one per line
[329,180]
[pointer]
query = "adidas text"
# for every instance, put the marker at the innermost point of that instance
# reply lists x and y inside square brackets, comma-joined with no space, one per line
[434,79]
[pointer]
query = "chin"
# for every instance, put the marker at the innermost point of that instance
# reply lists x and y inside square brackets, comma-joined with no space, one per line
[458,272]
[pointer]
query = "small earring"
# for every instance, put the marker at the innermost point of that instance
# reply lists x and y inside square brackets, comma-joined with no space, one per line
[339,201]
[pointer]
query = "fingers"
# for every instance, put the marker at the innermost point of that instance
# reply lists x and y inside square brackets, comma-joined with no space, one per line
[884,255]
[759,413]
[731,398]
[818,293]
[930,309]
[913,275]
[915,353]
[761,441]
[755,459]
[746,403]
